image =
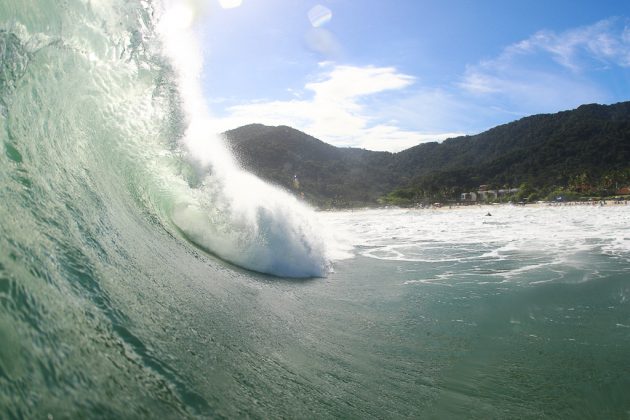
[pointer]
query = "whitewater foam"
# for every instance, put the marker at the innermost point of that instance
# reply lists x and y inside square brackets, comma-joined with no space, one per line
[122,99]
[537,243]
[108,311]
[233,214]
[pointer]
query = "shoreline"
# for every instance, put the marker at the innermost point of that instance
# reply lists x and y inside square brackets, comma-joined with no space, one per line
[599,203]
[540,204]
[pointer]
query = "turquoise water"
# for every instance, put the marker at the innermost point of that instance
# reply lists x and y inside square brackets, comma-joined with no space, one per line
[130,264]
[521,314]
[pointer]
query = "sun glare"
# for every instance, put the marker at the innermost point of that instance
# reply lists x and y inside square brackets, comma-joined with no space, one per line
[230,4]
[180,16]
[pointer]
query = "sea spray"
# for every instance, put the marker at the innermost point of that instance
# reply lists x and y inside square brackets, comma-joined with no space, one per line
[110,92]
[106,311]
[95,274]
[141,332]
[232,213]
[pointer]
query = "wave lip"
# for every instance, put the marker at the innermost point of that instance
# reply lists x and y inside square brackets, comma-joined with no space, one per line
[231,213]
[261,228]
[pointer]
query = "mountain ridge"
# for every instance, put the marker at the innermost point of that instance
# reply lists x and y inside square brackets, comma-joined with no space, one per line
[545,151]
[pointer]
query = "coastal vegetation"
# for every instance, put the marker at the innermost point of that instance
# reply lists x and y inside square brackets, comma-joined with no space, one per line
[578,154]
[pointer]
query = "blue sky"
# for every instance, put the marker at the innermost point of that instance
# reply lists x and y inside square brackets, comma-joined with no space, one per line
[386,75]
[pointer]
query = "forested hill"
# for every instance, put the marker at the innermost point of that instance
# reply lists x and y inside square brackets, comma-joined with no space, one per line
[327,175]
[583,149]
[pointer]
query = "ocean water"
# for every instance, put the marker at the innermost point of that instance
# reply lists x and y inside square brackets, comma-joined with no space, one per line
[143,275]
[521,314]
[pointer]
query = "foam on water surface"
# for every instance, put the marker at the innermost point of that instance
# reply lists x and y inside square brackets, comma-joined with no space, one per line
[115,200]
[510,244]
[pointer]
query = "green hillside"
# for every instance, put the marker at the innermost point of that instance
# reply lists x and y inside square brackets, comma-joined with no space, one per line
[327,175]
[585,151]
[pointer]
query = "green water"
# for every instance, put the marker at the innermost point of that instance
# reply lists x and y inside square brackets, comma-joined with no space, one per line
[108,310]
[170,332]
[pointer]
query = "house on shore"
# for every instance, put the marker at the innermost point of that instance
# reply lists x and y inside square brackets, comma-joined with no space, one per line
[485,193]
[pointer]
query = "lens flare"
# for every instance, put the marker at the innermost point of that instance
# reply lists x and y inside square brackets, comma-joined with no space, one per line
[319,15]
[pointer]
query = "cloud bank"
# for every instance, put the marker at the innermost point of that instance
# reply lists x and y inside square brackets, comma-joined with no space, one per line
[335,111]
[381,108]
[552,71]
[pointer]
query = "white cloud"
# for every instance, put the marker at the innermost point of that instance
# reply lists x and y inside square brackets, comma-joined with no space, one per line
[552,70]
[390,138]
[547,72]
[531,89]
[348,82]
[606,41]
[335,112]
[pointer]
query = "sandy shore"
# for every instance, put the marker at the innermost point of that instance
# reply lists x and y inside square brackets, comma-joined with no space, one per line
[601,203]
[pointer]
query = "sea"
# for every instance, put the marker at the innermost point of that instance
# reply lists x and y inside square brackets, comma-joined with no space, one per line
[143,274]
